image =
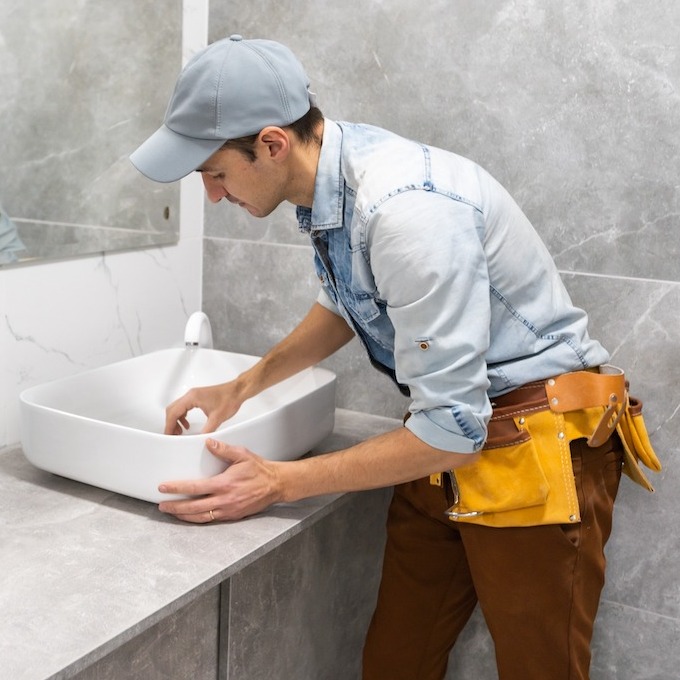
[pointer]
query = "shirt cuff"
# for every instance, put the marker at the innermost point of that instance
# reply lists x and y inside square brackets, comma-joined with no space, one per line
[439,437]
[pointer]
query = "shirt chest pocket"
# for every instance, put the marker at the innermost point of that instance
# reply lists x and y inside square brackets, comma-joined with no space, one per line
[361,305]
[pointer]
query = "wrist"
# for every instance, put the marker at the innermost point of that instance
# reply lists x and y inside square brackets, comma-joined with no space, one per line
[244,386]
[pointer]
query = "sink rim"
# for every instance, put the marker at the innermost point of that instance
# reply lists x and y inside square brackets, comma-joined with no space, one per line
[27,396]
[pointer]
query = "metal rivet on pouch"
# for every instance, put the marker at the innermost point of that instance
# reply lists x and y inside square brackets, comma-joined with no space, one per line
[522,421]
[572,518]
[554,401]
[551,382]
[560,435]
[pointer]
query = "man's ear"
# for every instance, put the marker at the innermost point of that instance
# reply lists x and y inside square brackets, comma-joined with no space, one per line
[277,142]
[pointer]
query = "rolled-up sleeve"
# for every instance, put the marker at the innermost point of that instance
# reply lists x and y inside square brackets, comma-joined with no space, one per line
[428,261]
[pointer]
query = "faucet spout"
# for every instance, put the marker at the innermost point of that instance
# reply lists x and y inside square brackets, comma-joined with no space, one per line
[198,332]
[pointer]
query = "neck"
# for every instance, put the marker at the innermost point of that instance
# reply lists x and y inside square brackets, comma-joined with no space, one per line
[303,171]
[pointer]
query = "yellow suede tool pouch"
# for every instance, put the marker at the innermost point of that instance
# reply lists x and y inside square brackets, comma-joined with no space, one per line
[525,476]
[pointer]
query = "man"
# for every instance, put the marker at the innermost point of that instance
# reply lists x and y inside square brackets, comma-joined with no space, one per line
[505,468]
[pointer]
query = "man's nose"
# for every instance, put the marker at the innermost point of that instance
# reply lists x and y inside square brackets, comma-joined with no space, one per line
[213,189]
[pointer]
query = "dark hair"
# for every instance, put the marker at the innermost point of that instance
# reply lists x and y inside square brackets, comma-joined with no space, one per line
[305,129]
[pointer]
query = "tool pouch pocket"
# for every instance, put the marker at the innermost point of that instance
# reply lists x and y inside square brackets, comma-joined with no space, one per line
[508,475]
[636,445]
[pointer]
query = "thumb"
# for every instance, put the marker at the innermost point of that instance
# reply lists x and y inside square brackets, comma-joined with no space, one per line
[226,452]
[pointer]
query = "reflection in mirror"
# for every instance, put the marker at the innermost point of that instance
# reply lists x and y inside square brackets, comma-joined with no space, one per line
[83,84]
[10,243]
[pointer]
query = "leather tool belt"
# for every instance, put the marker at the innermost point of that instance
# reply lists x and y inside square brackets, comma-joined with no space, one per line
[524,476]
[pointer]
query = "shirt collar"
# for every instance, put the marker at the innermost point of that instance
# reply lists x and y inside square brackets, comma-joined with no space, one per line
[326,210]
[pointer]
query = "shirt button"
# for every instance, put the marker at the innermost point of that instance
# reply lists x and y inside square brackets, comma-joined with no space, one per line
[236,37]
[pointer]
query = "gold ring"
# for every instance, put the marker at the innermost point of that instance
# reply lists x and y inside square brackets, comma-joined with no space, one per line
[212,516]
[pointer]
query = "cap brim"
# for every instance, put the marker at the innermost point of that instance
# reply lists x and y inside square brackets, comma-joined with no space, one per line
[167,156]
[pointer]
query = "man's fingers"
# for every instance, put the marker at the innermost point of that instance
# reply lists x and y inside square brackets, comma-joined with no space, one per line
[227,452]
[208,485]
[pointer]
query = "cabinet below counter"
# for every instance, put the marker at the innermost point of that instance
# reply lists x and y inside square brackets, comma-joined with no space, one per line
[95,585]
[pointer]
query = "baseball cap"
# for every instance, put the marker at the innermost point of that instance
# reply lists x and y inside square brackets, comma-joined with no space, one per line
[232,88]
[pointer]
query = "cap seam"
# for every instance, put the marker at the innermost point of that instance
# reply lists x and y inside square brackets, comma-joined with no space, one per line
[277,79]
[217,92]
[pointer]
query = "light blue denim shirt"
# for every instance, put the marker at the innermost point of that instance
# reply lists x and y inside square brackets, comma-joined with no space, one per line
[441,276]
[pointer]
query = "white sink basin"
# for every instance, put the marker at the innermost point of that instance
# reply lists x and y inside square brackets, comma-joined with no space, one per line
[105,426]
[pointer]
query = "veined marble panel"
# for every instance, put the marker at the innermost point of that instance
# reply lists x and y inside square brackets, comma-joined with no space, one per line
[228,221]
[632,644]
[573,106]
[637,321]
[61,318]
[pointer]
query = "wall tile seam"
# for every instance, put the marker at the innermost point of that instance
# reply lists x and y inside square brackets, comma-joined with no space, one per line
[640,610]
[619,277]
[228,239]
[563,272]
[224,640]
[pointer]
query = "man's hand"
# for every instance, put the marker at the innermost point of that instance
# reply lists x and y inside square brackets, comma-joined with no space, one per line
[249,485]
[218,402]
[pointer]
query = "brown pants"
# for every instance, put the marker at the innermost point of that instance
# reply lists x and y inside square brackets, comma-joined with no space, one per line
[538,587]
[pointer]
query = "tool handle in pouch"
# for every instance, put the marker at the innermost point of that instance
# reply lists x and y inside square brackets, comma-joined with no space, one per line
[637,447]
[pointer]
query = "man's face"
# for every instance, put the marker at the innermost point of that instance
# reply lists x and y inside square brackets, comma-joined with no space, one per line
[257,186]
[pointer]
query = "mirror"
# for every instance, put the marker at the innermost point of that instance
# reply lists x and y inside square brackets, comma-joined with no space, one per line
[82,85]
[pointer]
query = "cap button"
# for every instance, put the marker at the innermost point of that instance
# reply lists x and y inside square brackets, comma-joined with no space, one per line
[236,37]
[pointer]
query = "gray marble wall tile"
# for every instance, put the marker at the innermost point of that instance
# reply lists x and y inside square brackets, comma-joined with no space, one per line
[631,644]
[185,645]
[302,611]
[227,221]
[638,321]
[255,294]
[573,106]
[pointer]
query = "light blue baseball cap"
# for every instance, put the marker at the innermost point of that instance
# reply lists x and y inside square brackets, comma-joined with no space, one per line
[231,89]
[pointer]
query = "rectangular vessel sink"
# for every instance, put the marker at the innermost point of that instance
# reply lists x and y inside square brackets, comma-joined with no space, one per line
[105,426]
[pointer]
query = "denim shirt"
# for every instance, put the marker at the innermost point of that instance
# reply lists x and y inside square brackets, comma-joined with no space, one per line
[441,276]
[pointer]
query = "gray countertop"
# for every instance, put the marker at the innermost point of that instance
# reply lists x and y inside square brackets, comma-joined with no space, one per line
[83,570]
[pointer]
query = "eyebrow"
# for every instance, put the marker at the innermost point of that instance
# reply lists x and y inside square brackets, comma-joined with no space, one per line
[206,168]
